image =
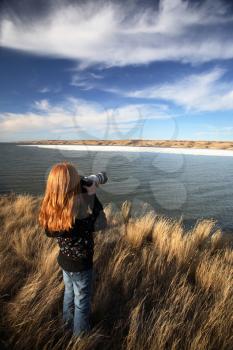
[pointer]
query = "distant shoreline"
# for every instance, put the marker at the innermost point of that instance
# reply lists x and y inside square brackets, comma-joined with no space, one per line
[136,149]
[221,145]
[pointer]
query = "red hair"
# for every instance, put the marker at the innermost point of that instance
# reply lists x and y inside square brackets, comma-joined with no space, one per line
[60,204]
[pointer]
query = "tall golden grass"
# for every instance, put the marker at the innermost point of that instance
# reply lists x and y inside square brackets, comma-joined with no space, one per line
[156,285]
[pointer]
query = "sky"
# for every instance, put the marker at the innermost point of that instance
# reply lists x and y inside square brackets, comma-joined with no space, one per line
[116,70]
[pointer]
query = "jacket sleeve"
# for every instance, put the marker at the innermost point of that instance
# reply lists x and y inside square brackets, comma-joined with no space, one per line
[98,216]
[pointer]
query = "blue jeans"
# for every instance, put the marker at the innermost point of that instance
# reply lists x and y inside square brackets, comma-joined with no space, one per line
[77,300]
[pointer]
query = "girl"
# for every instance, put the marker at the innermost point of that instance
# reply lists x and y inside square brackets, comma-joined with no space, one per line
[65,215]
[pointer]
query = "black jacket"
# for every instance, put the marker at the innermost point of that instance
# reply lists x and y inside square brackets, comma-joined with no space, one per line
[77,244]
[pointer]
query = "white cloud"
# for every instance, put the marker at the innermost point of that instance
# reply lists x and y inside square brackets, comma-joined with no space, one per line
[121,34]
[198,92]
[76,115]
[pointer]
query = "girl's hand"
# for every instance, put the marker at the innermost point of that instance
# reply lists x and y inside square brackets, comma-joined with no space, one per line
[91,189]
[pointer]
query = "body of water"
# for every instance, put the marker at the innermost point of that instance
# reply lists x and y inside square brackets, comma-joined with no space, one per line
[194,184]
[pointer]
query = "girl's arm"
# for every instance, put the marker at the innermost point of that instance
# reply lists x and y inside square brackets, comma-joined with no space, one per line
[97,216]
[92,200]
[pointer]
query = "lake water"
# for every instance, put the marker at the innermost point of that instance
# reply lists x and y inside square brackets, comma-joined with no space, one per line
[192,185]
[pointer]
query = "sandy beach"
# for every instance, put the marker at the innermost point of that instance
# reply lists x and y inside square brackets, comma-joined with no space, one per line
[222,145]
[137,149]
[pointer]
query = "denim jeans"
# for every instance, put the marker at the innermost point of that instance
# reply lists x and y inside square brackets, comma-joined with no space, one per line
[77,300]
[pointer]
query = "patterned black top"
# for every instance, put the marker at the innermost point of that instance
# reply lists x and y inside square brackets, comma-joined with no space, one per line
[77,244]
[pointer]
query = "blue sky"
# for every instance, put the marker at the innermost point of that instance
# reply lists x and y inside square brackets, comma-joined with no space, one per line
[116,70]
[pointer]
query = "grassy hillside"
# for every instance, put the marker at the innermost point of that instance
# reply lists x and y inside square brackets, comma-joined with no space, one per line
[155,287]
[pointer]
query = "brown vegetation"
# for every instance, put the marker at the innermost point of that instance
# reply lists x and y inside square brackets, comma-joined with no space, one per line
[228,145]
[156,287]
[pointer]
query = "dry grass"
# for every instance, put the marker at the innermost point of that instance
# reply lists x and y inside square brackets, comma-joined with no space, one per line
[156,287]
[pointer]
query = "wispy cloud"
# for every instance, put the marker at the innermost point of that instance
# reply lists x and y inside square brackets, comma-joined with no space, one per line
[48,89]
[86,80]
[44,90]
[42,105]
[117,35]
[75,115]
[198,92]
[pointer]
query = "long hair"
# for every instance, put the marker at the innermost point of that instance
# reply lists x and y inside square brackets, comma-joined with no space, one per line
[61,203]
